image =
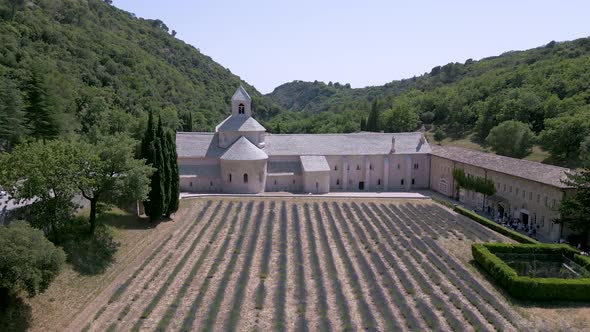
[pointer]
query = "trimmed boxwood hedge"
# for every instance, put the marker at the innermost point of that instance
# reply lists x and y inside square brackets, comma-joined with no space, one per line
[527,288]
[496,227]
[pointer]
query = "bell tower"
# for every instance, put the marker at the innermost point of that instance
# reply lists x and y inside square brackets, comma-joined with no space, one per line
[241,103]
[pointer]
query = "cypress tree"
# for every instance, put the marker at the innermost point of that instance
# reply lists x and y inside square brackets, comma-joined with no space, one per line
[373,120]
[148,137]
[40,113]
[174,176]
[155,208]
[163,164]
[363,124]
[12,125]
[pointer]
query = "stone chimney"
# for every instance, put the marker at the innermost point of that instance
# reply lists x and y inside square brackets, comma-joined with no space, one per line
[392,144]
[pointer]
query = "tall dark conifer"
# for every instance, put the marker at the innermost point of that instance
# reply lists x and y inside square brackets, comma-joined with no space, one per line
[163,164]
[174,184]
[155,208]
[39,110]
[373,120]
[363,124]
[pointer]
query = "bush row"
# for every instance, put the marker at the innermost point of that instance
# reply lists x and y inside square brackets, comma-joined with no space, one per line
[527,288]
[496,227]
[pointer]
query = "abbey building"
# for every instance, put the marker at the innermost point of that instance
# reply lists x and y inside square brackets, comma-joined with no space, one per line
[240,157]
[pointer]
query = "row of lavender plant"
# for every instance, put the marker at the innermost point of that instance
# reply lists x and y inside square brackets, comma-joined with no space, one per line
[332,274]
[300,289]
[260,293]
[215,304]
[166,318]
[367,318]
[172,275]
[472,294]
[281,292]
[422,279]
[316,271]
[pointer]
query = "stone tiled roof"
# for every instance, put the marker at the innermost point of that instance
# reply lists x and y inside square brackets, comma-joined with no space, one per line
[314,164]
[240,123]
[197,145]
[344,144]
[241,94]
[538,172]
[243,149]
[199,170]
[284,167]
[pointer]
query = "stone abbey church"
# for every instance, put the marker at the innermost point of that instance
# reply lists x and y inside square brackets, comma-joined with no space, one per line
[241,158]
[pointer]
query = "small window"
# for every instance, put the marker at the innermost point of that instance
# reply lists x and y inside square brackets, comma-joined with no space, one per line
[358,167]
[516,191]
[553,204]
[191,183]
[293,181]
[335,167]
[510,188]
[371,166]
[524,194]
[413,181]
[402,182]
[337,182]
[275,182]
[546,201]
[543,221]
[538,198]
[416,166]
[530,195]
[397,166]
[245,177]
[241,109]
[504,187]
[379,182]
[210,183]
[229,177]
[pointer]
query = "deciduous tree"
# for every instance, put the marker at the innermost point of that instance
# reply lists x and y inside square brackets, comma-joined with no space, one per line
[512,139]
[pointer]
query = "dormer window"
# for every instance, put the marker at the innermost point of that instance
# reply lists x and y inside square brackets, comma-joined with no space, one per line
[241,109]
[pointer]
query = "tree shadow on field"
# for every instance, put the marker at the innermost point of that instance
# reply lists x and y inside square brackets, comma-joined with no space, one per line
[123,220]
[88,254]
[526,303]
[15,313]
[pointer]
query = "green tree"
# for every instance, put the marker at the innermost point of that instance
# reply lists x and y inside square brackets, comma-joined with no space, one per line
[174,191]
[401,118]
[575,210]
[563,135]
[439,135]
[163,164]
[585,151]
[512,139]
[12,126]
[110,175]
[363,123]
[374,117]
[29,261]
[155,207]
[40,110]
[427,117]
[46,174]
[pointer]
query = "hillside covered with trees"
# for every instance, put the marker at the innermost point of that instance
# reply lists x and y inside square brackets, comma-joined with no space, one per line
[546,88]
[71,65]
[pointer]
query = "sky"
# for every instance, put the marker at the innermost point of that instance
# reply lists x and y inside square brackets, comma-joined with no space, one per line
[268,43]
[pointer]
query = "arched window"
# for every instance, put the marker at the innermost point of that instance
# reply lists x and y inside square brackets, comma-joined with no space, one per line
[241,109]
[229,177]
[245,177]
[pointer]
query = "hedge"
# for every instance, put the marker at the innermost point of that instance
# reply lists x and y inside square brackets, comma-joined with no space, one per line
[496,227]
[527,288]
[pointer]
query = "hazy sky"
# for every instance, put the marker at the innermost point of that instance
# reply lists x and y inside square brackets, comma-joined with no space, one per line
[363,43]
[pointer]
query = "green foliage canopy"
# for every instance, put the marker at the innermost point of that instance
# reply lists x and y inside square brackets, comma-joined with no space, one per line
[511,138]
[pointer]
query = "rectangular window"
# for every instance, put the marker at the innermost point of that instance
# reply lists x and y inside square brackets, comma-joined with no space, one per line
[379,182]
[402,182]
[397,166]
[553,204]
[530,195]
[516,191]
[504,187]
[416,166]
[413,181]
[371,166]
[543,221]
[538,198]
[546,201]
[523,193]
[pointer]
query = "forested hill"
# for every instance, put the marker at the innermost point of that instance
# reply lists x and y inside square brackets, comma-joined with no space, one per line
[545,89]
[97,61]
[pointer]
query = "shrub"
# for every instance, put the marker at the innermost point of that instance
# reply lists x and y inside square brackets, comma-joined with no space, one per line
[493,226]
[29,261]
[528,288]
